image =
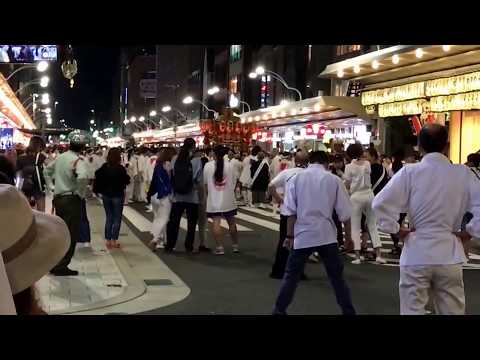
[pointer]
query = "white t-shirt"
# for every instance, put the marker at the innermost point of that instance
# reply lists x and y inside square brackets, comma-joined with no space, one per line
[358,176]
[280,181]
[221,197]
[237,167]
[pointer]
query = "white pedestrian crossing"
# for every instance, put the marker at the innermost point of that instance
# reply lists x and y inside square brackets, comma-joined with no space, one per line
[144,225]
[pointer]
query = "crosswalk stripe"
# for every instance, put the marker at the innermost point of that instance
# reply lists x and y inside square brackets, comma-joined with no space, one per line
[137,219]
[260,211]
[224,225]
[145,225]
[257,221]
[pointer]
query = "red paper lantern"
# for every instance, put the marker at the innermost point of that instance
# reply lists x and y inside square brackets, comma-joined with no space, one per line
[309,129]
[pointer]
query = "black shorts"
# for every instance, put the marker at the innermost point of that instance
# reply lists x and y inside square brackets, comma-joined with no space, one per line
[225,215]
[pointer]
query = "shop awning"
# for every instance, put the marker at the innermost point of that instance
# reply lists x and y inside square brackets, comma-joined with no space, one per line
[410,67]
[319,109]
[11,108]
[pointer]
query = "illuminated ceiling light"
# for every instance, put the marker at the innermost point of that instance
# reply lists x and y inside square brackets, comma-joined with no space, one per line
[340,73]
[419,53]
[265,117]
[316,107]
[45,99]
[395,59]
[284,102]
[48,110]
[446,48]
[375,64]
[250,119]
[49,121]
[356,69]
[257,118]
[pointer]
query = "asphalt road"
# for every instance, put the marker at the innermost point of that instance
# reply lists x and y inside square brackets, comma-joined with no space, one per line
[238,284]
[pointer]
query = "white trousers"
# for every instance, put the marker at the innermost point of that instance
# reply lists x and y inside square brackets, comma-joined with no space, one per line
[139,192]
[161,213]
[362,204]
[129,192]
[444,283]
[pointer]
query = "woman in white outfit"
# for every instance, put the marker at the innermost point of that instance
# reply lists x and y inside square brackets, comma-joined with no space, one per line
[159,194]
[132,172]
[220,181]
[357,181]
[246,177]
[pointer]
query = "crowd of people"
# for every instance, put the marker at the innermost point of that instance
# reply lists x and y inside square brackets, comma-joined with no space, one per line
[329,204]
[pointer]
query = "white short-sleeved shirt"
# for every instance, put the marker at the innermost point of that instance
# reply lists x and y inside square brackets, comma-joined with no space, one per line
[221,196]
[435,194]
[282,179]
[311,196]
[358,176]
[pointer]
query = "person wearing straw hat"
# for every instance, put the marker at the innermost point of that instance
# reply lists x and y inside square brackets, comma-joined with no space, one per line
[32,243]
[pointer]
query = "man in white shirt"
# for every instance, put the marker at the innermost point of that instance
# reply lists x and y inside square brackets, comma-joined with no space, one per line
[435,194]
[277,190]
[311,197]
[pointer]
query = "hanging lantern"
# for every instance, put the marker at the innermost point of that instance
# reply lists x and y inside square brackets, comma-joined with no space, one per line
[69,66]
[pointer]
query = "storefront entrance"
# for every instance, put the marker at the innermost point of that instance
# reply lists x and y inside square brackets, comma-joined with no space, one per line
[398,134]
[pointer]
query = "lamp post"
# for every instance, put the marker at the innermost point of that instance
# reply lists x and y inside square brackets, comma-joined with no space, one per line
[260,70]
[43,82]
[40,66]
[234,102]
[189,100]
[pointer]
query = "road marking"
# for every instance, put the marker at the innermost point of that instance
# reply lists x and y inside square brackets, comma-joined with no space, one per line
[224,225]
[144,225]
[137,219]
[257,221]
[260,211]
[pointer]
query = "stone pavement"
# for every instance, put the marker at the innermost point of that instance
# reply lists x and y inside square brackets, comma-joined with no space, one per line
[121,281]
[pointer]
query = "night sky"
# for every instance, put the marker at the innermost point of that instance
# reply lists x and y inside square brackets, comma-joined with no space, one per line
[93,88]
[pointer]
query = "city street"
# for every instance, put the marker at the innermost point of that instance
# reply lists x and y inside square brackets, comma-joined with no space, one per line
[239,283]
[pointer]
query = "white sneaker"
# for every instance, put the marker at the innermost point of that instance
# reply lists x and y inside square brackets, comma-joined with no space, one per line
[219,251]
[160,245]
[313,258]
[380,260]
[357,262]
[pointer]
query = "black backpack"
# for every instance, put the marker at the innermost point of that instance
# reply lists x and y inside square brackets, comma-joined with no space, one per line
[182,179]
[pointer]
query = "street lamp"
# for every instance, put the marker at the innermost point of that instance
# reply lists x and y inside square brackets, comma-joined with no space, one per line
[213,90]
[141,118]
[133,119]
[153,113]
[167,108]
[44,80]
[189,100]
[260,70]
[92,121]
[48,110]
[45,99]
[40,66]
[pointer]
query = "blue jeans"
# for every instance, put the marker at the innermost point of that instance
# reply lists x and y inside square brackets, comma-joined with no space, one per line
[84,224]
[113,210]
[295,267]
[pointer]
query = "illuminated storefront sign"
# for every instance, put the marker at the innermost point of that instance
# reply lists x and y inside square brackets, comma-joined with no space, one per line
[397,93]
[411,107]
[453,85]
[468,101]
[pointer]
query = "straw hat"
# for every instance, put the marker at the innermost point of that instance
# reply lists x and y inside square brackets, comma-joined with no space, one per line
[31,242]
